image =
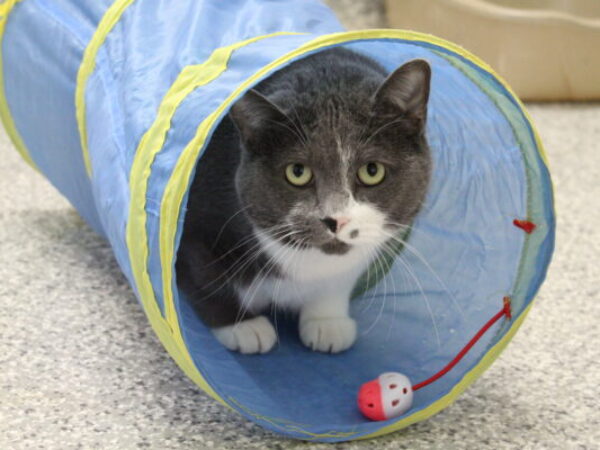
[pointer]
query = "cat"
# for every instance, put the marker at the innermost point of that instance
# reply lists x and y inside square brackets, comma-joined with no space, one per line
[311,173]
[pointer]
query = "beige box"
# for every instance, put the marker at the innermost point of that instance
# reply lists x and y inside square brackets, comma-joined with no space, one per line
[545,49]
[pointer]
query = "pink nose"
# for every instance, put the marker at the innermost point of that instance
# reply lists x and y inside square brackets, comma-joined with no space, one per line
[342,222]
[335,224]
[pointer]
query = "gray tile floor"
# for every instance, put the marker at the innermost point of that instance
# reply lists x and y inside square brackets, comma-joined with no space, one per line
[80,367]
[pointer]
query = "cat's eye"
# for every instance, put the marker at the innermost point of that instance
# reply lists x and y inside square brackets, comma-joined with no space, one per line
[371,174]
[298,174]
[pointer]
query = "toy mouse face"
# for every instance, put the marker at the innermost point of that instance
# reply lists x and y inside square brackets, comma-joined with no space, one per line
[396,394]
[388,396]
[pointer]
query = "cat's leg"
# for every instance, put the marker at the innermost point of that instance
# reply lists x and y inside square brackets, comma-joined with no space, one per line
[237,328]
[255,335]
[325,323]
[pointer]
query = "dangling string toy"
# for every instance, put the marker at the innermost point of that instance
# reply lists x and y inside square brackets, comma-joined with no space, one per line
[391,394]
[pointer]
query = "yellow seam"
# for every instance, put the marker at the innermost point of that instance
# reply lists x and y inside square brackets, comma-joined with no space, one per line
[5,116]
[88,64]
[165,328]
[445,401]
[177,185]
[190,78]
[289,426]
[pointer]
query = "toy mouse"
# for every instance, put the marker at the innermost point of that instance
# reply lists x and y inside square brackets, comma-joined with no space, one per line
[388,396]
[391,395]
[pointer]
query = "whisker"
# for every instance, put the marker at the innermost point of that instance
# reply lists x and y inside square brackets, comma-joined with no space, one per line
[405,229]
[427,303]
[372,265]
[415,252]
[381,309]
[381,129]
[263,274]
[241,243]
[240,261]
[291,130]
[241,264]
[299,125]
[394,289]
[268,268]
[227,223]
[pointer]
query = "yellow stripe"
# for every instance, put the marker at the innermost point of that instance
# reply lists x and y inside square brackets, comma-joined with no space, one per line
[168,330]
[7,120]
[445,401]
[88,64]
[177,185]
[190,78]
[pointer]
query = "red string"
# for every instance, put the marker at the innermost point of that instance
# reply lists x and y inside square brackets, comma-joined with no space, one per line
[504,312]
[525,225]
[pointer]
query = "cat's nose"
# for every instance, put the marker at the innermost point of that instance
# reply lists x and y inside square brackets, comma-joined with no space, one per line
[335,224]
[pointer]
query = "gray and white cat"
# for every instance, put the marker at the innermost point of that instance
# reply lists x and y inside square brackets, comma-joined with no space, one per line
[309,177]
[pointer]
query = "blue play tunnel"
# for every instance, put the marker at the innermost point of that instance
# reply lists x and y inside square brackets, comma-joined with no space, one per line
[114,101]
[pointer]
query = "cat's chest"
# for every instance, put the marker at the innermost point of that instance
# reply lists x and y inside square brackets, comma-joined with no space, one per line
[304,275]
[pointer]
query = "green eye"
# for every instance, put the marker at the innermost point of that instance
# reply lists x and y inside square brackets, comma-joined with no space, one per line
[371,174]
[298,174]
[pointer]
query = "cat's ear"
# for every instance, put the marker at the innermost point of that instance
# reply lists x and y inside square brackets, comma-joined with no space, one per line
[405,93]
[257,118]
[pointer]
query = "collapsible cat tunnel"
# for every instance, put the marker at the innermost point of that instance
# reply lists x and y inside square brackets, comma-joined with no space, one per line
[114,101]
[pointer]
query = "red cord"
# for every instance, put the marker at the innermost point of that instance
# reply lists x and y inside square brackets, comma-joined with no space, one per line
[504,312]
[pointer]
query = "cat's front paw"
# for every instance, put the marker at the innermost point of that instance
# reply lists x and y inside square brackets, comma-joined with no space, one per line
[250,336]
[331,335]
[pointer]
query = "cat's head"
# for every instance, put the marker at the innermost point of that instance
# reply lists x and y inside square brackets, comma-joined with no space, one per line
[336,167]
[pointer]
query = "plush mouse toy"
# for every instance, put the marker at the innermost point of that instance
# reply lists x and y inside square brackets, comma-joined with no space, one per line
[391,394]
[388,396]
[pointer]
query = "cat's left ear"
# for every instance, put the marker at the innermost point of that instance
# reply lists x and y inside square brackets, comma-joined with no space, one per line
[258,119]
[405,92]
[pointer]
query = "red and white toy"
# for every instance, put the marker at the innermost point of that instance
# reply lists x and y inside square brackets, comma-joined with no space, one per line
[386,397]
[391,395]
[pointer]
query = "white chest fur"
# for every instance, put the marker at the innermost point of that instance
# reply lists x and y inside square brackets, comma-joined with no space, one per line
[306,275]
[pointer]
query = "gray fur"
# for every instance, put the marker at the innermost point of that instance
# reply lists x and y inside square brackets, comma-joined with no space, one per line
[333,111]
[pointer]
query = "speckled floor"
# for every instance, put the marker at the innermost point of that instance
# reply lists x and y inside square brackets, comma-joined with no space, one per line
[81,368]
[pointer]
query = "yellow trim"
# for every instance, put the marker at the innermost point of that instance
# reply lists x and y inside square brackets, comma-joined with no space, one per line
[190,78]
[5,116]
[168,329]
[291,427]
[176,189]
[459,388]
[88,64]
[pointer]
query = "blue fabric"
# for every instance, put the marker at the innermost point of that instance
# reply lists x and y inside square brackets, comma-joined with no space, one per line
[464,254]
[466,235]
[43,108]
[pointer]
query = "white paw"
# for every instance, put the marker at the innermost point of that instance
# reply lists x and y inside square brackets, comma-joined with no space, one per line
[255,335]
[328,335]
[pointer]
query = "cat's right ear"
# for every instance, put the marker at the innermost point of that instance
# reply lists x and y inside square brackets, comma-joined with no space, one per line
[405,93]
[257,118]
